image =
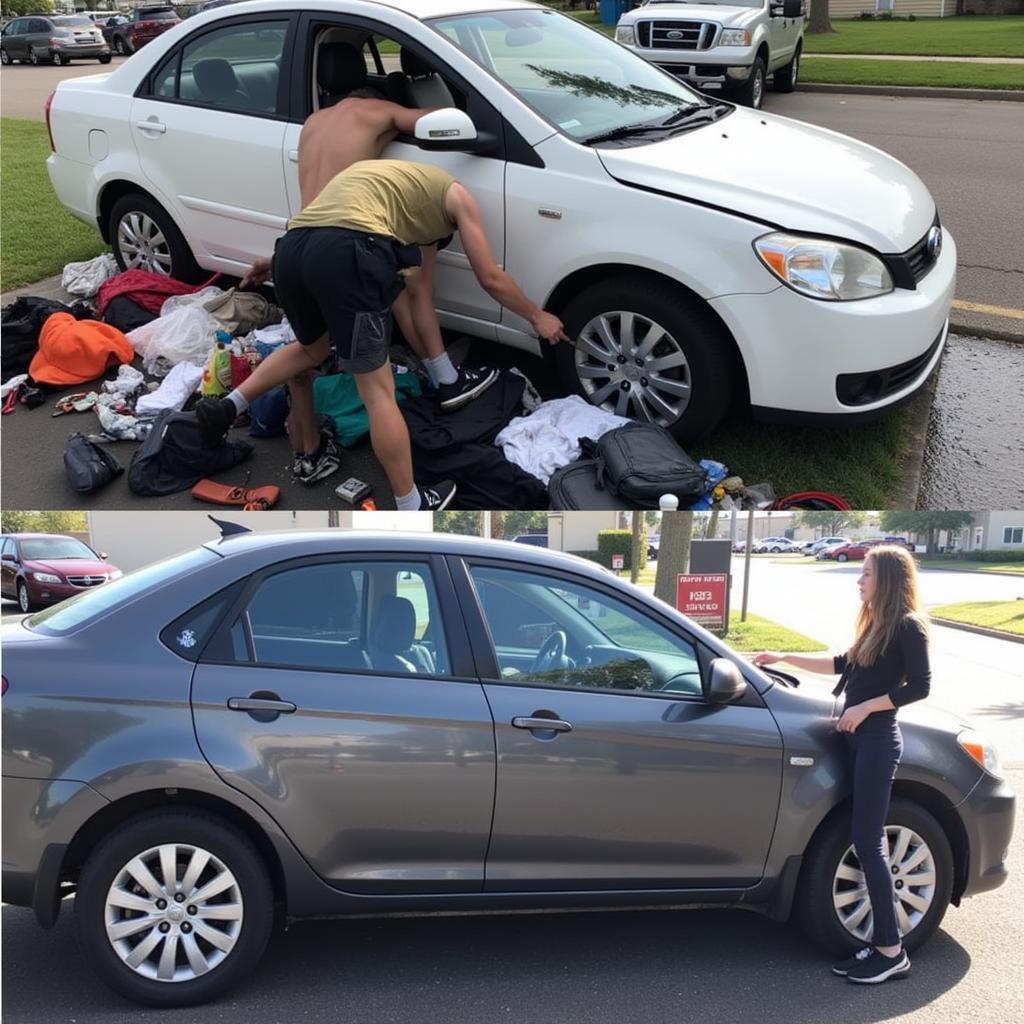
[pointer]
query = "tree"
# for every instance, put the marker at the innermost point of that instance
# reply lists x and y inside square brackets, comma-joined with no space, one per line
[523,522]
[928,523]
[44,522]
[16,8]
[652,519]
[498,525]
[819,20]
[634,560]
[458,522]
[831,524]
[673,553]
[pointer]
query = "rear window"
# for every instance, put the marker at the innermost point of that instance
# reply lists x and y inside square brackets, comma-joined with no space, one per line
[78,611]
[68,22]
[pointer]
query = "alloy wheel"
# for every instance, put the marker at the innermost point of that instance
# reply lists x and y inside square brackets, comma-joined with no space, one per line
[142,244]
[24,601]
[914,876]
[630,365]
[173,913]
[796,67]
[33,57]
[4,57]
[757,90]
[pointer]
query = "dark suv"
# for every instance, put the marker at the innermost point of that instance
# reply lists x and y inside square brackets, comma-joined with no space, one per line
[142,26]
[344,724]
[39,39]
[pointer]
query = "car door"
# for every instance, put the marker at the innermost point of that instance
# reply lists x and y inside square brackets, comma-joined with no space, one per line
[340,696]
[14,40]
[7,567]
[208,127]
[782,34]
[637,783]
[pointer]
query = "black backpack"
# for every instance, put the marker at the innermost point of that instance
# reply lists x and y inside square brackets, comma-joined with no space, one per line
[22,322]
[88,465]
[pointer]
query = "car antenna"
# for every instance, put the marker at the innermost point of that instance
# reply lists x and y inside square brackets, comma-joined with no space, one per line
[228,529]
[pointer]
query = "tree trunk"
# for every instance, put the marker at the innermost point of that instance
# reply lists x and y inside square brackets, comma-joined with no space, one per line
[673,553]
[819,21]
[634,560]
[498,525]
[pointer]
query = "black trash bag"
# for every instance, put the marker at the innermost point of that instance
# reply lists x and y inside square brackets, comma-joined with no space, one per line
[126,315]
[89,466]
[642,461]
[172,458]
[20,324]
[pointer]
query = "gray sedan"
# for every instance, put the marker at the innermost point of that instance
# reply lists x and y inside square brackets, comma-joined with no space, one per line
[284,726]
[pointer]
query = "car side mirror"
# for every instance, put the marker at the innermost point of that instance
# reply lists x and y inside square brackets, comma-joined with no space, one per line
[788,9]
[450,129]
[103,556]
[725,683]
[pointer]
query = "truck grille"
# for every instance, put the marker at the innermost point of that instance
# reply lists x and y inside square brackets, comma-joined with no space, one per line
[675,35]
[86,581]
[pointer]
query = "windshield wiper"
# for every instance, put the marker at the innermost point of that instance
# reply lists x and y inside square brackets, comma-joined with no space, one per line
[625,132]
[688,116]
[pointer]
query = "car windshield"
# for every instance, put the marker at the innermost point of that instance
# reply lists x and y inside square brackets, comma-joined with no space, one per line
[578,79]
[77,22]
[69,615]
[709,3]
[40,548]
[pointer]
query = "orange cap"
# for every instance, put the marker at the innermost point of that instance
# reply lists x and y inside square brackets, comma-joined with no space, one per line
[74,351]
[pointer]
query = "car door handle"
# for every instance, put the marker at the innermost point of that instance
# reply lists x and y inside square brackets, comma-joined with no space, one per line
[293,155]
[283,707]
[157,127]
[552,724]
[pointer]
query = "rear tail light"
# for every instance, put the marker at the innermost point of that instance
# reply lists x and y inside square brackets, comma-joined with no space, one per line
[46,108]
[3,689]
[54,41]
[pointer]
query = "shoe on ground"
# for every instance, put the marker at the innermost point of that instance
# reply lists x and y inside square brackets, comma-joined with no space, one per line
[215,416]
[438,497]
[468,385]
[876,968]
[844,967]
[320,464]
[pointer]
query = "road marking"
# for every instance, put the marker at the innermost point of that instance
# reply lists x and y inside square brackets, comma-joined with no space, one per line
[978,307]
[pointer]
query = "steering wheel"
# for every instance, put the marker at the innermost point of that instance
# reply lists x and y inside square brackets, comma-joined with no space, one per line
[551,653]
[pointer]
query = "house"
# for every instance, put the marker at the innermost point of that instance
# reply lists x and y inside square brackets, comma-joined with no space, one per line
[991,531]
[839,9]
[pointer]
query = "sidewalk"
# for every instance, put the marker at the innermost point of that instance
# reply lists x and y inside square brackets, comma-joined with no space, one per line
[914,57]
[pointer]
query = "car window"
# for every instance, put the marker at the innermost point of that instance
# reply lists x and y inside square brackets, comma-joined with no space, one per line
[39,25]
[346,616]
[35,548]
[7,548]
[73,21]
[554,632]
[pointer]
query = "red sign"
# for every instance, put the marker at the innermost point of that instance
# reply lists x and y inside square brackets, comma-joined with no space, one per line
[618,562]
[703,598]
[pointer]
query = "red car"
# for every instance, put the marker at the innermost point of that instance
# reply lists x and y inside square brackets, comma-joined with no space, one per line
[850,552]
[143,26]
[43,568]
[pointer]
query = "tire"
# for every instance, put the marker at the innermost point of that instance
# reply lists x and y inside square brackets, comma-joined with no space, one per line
[105,60]
[33,57]
[690,396]
[842,558]
[784,80]
[751,93]
[120,46]
[831,850]
[5,58]
[25,602]
[242,939]
[60,60]
[168,251]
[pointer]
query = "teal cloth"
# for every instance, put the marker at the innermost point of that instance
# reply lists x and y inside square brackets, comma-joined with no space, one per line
[336,396]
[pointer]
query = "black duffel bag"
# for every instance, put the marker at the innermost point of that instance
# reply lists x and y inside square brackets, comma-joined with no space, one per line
[88,465]
[640,462]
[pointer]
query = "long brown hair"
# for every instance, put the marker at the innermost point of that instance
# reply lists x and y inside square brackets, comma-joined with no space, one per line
[894,599]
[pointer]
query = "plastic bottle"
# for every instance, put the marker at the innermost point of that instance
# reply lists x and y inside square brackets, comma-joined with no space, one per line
[217,375]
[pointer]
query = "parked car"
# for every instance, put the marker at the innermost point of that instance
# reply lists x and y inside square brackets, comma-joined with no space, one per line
[100,18]
[585,190]
[38,569]
[538,540]
[254,752]
[814,546]
[653,544]
[775,546]
[732,46]
[110,28]
[142,26]
[52,39]
[900,542]
[853,551]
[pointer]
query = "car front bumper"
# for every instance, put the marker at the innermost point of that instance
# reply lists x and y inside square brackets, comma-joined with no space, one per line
[51,593]
[988,816]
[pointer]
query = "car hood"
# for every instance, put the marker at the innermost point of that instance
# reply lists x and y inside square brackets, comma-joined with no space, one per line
[784,172]
[74,566]
[724,14]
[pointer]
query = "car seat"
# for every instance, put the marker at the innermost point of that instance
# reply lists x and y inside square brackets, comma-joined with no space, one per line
[392,646]
[340,68]
[418,84]
[217,83]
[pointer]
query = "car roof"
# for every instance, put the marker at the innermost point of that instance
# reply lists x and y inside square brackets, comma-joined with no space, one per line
[422,9]
[33,536]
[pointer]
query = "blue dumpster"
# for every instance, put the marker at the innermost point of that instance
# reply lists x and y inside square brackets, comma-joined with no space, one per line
[612,10]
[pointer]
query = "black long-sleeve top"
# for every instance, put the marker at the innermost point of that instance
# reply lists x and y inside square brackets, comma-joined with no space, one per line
[901,671]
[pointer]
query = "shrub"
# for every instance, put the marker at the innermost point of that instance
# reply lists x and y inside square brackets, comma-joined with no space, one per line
[619,542]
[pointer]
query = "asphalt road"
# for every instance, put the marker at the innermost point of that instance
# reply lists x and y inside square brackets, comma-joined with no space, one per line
[25,87]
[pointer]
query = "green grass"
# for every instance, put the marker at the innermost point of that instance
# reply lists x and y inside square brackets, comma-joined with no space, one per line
[1008,568]
[1007,616]
[38,236]
[933,37]
[913,72]
[757,634]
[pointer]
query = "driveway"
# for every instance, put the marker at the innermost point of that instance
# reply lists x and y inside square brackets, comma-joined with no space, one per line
[26,86]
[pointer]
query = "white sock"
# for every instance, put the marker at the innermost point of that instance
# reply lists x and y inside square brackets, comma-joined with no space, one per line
[238,400]
[408,502]
[441,370]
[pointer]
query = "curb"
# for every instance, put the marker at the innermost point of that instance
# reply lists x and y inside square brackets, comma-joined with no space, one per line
[989,333]
[928,567]
[915,436]
[933,92]
[997,634]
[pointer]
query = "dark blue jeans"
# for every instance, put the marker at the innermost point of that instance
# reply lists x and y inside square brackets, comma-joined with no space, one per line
[874,752]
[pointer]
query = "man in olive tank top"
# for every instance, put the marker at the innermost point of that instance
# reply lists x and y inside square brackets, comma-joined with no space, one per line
[337,272]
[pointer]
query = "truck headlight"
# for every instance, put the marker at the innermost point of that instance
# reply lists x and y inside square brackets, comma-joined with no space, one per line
[45,577]
[834,271]
[982,752]
[625,34]
[734,37]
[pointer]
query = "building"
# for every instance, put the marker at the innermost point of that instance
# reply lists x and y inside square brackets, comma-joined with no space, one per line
[577,531]
[839,9]
[990,531]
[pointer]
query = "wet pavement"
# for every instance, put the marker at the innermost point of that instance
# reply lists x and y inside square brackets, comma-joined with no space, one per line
[974,454]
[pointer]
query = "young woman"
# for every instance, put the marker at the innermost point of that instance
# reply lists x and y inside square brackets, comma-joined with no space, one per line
[886,668]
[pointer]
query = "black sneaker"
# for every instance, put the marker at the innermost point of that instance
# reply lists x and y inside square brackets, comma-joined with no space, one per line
[470,384]
[844,966]
[215,416]
[438,497]
[321,463]
[876,968]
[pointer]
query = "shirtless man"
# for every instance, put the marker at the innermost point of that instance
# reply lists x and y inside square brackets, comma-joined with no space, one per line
[337,273]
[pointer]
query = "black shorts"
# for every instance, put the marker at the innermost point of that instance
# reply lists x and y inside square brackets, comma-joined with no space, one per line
[342,283]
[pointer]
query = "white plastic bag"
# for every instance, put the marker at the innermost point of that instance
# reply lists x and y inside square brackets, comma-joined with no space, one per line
[176,302]
[85,278]
[187,335]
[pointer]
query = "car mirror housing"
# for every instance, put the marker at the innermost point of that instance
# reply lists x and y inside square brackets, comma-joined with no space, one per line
[447,129]
[726,683]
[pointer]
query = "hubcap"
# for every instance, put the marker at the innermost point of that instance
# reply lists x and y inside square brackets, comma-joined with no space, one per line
[23,598]
[143,244]
[758,89]
[913,872]
[173,913]
[630,365]
[796,67]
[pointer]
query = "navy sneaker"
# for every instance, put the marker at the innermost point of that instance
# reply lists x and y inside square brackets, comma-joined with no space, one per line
[438,497]
[844,966]
[468,385]
[876,968]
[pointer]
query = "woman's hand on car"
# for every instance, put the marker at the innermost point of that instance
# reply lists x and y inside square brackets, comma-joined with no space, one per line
[767,658]
[258,273]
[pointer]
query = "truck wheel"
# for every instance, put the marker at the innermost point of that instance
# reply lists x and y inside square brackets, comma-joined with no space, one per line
[751,93]
[121,46]
[832,903]
[144,237]
[784,80]
[174,908]
[646,351]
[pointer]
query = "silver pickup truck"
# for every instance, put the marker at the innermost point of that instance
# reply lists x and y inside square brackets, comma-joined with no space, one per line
[729,46]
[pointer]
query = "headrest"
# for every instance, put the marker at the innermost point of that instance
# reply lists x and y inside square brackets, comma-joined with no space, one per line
[215,78]
[340,68]
[415,66]
[394,625]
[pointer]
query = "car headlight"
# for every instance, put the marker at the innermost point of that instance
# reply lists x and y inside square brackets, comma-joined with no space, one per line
[734,37]
[115,575]
[834,271]
[982,751]
[625,34]
[45,577]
